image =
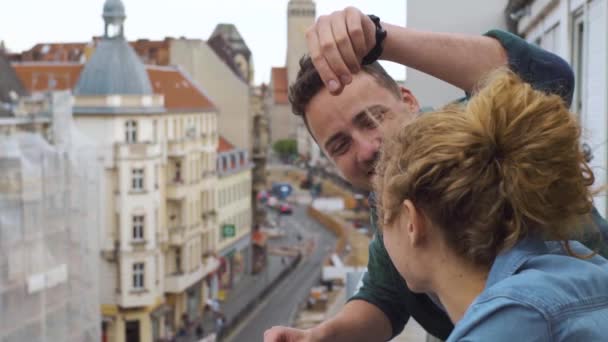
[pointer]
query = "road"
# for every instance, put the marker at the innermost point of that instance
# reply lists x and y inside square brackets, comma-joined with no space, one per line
[280,306]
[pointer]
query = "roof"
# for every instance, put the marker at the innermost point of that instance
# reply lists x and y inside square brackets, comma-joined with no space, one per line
[181,93]
[279,85]
[53,52]
[223,50]
[43,76]
[224,145]
[153,51]
[232,36]
[114,68]
[114,9]
[10,84]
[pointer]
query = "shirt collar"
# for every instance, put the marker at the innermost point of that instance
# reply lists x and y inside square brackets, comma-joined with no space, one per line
[510,261]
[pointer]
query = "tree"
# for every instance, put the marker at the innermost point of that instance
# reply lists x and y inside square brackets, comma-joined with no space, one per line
[285,148]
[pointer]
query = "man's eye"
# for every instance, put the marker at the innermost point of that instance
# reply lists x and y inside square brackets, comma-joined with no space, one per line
[340,148]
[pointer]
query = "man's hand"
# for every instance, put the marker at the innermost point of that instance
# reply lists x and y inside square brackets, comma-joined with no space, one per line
[284,334]
[337,43]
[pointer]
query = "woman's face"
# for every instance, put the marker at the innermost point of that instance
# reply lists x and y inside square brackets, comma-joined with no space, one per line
[407,242]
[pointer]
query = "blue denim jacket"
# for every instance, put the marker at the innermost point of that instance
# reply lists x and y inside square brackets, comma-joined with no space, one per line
[536,292]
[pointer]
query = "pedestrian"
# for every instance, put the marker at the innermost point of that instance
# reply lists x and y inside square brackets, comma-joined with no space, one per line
[200,331]
[220,321]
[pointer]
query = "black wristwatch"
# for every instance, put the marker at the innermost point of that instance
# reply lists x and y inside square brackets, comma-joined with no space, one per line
[376,52]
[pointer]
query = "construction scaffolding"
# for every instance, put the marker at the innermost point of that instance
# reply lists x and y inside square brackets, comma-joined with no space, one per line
[49,232]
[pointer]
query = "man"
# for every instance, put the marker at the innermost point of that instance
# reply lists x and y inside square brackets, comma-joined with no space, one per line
[334,94]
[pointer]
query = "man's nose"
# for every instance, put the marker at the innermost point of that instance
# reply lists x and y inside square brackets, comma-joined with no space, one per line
[367,148]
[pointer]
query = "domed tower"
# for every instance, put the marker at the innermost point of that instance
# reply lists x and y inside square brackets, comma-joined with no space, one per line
[114,67]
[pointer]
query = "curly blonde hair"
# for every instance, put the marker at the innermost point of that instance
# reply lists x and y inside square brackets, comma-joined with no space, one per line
[489,172]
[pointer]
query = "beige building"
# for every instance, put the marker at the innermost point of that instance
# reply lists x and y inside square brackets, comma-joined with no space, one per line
[156,135]
[234,213]
[227,89]
[283,124]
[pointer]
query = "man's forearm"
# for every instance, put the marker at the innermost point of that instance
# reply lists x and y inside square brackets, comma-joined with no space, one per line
[459,59]
[357,321]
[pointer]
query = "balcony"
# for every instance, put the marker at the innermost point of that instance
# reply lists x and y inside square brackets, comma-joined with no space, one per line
[137,151]
[177,283]
[177,235]
[177,148]
[177,189]
[209,221]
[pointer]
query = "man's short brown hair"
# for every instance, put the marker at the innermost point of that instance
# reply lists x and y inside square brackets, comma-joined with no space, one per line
[308,84]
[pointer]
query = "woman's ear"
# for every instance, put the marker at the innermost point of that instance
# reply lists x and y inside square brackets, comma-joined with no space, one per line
[416,223]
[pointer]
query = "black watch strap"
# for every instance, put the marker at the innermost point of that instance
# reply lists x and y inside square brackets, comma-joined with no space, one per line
[376,52]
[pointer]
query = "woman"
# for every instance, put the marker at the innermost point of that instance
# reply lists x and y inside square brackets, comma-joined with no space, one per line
[477,204]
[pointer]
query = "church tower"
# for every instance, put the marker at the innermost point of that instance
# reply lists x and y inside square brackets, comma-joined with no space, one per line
[300,16]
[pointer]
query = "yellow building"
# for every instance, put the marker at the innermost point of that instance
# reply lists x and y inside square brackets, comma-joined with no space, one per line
[234,214]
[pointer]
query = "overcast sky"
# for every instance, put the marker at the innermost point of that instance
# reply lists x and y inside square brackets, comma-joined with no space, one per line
[262,23]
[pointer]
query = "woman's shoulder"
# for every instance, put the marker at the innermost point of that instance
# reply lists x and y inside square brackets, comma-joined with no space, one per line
[554,283]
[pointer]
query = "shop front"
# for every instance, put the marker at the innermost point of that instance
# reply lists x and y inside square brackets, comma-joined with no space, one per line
[235,262]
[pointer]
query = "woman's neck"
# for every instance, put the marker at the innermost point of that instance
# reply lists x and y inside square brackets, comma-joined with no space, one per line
[457,284]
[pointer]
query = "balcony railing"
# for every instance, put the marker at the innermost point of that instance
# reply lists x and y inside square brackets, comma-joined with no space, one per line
[177,189]
[177,235]
[137,151]
[177,283]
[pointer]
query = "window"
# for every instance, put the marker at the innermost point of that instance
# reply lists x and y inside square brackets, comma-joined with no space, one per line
[132,331]
[178,261]
[155,130]
[578,57]
[138,227]
[155,176]
[550,40]
[131,131]
[137,180]
[178,172]
[138,275]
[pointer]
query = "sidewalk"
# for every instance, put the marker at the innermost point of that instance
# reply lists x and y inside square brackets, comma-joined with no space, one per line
[247,293]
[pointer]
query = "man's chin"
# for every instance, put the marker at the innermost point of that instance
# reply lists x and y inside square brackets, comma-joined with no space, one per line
[365,183]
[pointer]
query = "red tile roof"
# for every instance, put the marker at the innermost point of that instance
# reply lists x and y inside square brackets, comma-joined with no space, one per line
[179,91]
[42,76]
[54,52]
[279,85]
[151,51]
[224,145]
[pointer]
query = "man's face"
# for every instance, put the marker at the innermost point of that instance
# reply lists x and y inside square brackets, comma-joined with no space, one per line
[344,130]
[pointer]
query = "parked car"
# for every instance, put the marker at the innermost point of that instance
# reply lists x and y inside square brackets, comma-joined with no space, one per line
[281,190]
[285,209]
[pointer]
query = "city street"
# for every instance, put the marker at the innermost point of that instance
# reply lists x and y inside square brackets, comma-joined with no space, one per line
[281,306]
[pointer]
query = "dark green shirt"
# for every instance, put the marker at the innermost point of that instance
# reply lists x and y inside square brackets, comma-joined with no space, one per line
[382,285]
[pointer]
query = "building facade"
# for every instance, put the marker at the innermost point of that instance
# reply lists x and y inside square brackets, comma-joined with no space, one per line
[155,131]
[283,124]
[576,31]
[234,214]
